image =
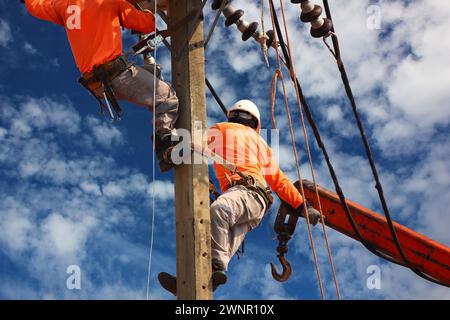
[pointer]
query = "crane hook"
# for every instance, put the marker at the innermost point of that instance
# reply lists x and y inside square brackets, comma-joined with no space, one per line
[287,269]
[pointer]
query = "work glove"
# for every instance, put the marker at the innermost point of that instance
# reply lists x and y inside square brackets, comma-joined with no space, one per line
[313,214]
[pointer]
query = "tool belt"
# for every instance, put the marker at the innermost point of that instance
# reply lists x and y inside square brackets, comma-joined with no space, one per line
[101,77]
[254,185]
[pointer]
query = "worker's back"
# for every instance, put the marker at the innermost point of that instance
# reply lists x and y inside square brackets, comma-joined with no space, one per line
[245,148]
[93,26]
[99,38]
[242,146]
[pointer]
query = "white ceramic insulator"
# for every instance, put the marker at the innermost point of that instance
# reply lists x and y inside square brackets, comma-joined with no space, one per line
[260,37]
[307,6]
[316,24]
[243,25]
[228,10]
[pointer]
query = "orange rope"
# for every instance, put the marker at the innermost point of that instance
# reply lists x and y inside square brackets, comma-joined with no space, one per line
[279,74]
[293,78]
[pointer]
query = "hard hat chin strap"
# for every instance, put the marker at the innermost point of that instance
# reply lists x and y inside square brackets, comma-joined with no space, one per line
[252,123]
[243,117]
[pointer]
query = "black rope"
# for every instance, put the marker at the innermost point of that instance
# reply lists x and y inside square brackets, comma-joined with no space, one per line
[322,145]
[214,24]
[370,157]
[216,97]
[318,138]
[208,84]
[287,60]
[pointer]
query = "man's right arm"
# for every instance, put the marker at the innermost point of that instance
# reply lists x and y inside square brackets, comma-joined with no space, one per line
[45,10]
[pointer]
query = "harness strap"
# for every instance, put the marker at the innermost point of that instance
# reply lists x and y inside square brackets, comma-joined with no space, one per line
[102,106]
[102,76]
[111,97]
[247,181]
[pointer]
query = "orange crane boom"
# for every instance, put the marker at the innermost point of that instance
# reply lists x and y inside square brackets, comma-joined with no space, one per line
[425,254]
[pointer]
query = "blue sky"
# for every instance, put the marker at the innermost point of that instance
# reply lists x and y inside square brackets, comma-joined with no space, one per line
[77,190]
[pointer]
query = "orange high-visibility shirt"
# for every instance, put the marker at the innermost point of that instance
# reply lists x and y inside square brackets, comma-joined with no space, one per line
[93,26]
[249,152]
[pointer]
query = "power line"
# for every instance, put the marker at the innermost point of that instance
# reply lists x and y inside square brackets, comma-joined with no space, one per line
[369,154]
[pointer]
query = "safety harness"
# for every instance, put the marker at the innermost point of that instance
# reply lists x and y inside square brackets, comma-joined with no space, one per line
[98,82]
[287,217]
[246,180]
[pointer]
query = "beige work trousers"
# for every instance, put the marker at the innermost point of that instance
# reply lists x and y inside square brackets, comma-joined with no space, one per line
[233,214]
[136,85]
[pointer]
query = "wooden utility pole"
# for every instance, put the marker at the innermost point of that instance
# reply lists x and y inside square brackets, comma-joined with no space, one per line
[191,180]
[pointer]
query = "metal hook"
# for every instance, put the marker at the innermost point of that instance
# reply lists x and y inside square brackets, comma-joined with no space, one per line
[287,270]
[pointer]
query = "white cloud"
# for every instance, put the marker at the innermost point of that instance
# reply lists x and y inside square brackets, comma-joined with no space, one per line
[400,78]
[399,75]
[66,203]
[55,62]
[134,183]
[40,114]
[113,190]
[376,60]
[163,190]
[250,276]
[285,156]
[105,133]
[3,133]
[65,236]
[90,187]
[5,33]
[15,225]
[28,47]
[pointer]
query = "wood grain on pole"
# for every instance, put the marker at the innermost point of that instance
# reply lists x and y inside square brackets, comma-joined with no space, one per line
[191,181]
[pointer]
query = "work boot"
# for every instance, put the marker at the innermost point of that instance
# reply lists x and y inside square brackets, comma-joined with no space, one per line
[163,148]
[168,282]
[219,276]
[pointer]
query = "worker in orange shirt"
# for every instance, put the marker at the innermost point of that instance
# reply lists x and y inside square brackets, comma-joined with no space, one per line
[94,31]
[246,196]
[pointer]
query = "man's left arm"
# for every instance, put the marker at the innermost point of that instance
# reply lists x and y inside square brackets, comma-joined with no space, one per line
[288,192]
[280,183]
[134,19]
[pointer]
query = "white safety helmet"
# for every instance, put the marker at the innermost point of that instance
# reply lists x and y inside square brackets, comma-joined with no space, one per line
[249,107]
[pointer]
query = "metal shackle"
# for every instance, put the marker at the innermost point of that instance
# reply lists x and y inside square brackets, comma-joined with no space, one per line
[311,13]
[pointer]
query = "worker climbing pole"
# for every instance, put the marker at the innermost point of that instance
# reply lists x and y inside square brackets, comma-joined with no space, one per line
[193,279]
[323,28]
[203,248]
